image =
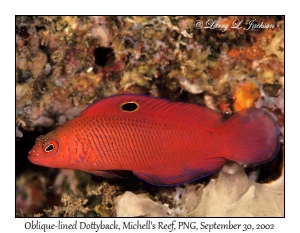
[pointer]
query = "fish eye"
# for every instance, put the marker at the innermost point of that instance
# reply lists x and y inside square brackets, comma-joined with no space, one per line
[129,106]
[50,147]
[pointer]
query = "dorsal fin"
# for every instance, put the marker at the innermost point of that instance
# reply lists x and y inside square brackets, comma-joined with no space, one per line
[152,108]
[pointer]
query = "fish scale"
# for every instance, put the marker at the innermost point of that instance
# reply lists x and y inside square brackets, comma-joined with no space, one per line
[161,142]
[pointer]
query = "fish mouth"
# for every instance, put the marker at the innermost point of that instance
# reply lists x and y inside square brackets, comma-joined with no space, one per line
[33,159]
[30,156]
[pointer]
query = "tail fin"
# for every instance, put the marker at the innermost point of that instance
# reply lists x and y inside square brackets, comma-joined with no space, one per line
[251,136]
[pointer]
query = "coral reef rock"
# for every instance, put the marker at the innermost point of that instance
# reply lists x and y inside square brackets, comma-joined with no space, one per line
[132,205]
[234,194]
[231,194]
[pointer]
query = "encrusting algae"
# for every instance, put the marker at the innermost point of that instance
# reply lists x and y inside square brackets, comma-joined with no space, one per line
[245,95]
[64,64]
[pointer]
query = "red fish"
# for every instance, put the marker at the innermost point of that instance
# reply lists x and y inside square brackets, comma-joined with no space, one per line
[161,142]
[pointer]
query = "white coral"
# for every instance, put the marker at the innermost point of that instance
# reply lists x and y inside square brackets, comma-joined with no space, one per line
[231,194]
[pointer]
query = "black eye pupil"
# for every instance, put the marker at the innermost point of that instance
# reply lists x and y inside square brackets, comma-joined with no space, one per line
[129,107]
[49,148]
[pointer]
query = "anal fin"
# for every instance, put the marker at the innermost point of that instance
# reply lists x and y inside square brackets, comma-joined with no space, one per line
[180,175]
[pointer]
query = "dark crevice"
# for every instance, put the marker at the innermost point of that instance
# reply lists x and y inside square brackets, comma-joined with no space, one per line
[104,56]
